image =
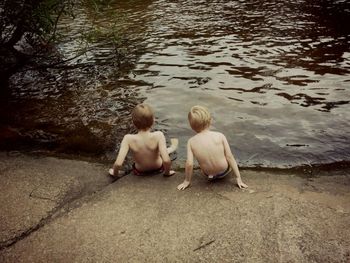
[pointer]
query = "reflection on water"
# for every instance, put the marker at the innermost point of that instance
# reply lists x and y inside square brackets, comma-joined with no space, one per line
[275,75]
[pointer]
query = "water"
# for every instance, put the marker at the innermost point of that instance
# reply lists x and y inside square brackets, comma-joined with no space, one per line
[274,74]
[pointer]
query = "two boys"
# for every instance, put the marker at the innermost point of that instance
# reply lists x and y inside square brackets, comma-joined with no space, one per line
[150,154]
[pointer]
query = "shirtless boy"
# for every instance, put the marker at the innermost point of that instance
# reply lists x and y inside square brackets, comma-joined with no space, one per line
[211,150]
[148,148]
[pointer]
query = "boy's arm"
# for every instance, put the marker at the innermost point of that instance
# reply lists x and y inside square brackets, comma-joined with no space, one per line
[188,168]
[164,155]
[123,151]
[232,162]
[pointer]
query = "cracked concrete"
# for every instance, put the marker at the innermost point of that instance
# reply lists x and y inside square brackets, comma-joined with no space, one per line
[279,218]
[33,188]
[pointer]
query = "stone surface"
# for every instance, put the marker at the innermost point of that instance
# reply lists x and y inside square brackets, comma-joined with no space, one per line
[279,218]
[33,188]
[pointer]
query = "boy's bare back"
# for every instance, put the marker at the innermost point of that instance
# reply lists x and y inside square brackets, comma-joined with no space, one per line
[146,149]
[208,148]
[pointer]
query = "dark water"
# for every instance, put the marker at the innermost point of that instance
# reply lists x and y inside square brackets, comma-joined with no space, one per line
[274,74]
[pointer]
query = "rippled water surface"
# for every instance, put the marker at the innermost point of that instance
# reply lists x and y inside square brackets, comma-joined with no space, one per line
[274,74]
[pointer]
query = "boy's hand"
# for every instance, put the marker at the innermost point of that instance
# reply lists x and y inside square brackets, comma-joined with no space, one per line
[171,172]
[240,184]
[120,173]
[184,185]
[111,172]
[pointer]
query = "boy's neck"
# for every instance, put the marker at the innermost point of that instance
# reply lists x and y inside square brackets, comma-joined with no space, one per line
[144,131]
[205,130]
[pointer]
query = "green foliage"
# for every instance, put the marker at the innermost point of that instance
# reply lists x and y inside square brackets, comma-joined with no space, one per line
[102,32]
[47,15]
[32,25]
[98,5]
[35,19]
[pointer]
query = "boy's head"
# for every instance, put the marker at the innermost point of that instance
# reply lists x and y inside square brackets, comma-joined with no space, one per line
[199,118]
[142,116]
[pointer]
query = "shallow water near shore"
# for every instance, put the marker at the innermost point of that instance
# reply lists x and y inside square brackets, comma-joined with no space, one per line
[274,74]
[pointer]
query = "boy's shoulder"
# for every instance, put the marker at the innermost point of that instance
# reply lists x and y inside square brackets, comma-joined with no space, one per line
[219,134]
[155,133]
[209,134]
[129,136]
[216,133]
[158,133]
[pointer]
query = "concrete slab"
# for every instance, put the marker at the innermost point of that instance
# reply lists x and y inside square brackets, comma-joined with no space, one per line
[280,218]
[33,188]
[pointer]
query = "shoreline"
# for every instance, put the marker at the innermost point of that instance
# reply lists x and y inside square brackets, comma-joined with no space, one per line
[305,170]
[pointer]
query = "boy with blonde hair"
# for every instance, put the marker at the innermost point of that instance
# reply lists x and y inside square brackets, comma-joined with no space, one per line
[211,150]
[148,148]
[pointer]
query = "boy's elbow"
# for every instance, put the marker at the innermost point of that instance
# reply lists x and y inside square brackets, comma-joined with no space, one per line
[166,161]
[189,165]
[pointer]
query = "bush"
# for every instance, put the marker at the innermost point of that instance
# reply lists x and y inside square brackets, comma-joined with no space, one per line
[30,20]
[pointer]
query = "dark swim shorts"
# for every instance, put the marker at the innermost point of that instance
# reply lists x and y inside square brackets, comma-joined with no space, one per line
[150,172]
[220,175]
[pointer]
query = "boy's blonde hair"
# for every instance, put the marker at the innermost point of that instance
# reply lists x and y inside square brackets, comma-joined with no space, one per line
[199,118]
[142,116]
